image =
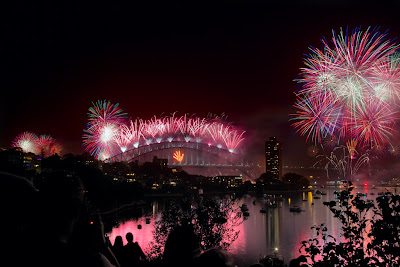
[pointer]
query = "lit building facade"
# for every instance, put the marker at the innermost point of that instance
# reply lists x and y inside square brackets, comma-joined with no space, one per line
[273,157]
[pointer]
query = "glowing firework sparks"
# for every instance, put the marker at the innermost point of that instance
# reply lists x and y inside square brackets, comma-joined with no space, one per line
[27,141]
[232,140]
[351,147]
[331,141]
[345,161]
[44,145]
[106,135]
[102,129]
[123,137]
[105,112]
[394,150]
[312,151]
[348,87]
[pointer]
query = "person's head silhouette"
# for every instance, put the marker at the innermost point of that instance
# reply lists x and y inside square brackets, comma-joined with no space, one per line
[129,237]
[118,241]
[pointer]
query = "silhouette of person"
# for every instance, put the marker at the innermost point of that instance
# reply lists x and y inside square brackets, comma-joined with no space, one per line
[213,258]
[297,262]
[67,235]
[59,200]
[117,248]
[133,254]
[181,246]
[18,209]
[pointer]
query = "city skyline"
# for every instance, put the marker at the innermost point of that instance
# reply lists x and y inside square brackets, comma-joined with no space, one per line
[240,60]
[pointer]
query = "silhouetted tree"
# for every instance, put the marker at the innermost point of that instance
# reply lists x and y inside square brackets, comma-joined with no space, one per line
[296,180]
[213,222]
[384,246]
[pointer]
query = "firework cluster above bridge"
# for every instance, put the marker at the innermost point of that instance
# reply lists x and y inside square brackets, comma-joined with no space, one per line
[108,132]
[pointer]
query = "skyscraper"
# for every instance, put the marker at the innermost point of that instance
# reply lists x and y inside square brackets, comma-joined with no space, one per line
[273,157]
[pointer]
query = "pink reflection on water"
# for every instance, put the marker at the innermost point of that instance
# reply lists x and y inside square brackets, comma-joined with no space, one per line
[143,236]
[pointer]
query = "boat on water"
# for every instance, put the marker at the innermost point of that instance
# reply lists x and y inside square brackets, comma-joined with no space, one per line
[272,205]
[295,209]
[263,210]
[323,193]
[316,197]
[244,208]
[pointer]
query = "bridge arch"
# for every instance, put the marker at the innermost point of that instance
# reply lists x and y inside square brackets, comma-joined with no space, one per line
[195,154]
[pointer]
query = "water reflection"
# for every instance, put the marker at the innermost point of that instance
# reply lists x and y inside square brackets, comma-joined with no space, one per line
[276,230]
[142,232]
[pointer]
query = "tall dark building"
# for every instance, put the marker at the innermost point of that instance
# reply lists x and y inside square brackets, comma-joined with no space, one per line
[273,157]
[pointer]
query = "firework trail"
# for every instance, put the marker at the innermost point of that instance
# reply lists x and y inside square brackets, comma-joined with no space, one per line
[171,127]
[151,127]
[232,140]
[216,131]
[198,126]
[394,150]
[350,89]
[123,137]
[345,160]
[135,133]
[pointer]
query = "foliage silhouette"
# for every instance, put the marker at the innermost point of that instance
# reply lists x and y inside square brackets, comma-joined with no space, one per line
[367,241]
[212,221]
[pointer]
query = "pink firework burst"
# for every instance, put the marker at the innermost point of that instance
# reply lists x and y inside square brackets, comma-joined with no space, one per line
[373,124]
[102,128]
[48,146]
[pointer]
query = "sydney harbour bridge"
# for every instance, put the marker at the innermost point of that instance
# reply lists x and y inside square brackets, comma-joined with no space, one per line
[193,157]
[207,146]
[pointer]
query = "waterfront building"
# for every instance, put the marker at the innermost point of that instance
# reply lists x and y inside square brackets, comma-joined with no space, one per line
[273,157]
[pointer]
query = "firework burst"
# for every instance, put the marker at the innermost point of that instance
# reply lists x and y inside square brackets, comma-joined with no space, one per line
[44,145]
[350,89]
[102,132]
[27,141]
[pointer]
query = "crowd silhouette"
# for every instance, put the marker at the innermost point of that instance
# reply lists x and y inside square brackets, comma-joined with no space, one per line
[54,226]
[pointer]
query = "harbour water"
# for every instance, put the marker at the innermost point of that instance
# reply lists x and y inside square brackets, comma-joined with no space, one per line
[278,230]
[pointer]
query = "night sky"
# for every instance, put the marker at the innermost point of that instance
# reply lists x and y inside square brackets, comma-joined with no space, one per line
[233,57]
